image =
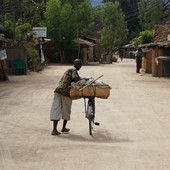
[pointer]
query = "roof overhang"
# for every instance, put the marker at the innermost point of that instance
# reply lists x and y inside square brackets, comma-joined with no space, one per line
[86,43]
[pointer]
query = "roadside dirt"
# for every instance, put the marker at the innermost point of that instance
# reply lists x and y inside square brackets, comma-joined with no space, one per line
[134,131]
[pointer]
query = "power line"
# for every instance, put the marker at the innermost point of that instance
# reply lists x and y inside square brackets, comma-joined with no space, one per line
[151,4]
[147,10]
[136,10]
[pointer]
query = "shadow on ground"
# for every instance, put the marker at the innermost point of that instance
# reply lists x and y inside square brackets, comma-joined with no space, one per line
[99,137]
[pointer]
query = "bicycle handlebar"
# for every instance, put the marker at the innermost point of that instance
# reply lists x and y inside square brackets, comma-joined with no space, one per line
[90,83]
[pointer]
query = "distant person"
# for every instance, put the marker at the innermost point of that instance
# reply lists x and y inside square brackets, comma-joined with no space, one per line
[121,54]
[138,60]
[61,106]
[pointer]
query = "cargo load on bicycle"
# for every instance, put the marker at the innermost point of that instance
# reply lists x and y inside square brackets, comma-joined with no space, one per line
[89,88]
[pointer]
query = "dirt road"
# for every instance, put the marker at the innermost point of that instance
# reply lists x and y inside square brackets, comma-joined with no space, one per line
[134,131]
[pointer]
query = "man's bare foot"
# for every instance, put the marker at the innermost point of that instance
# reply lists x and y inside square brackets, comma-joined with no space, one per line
[55,132]
[65,130]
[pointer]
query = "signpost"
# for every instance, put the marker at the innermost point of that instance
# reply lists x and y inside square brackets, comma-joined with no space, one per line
[3,66]
[3,54]
[40,32]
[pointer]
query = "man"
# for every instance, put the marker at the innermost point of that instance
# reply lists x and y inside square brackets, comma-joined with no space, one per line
[61,106]
[138,60]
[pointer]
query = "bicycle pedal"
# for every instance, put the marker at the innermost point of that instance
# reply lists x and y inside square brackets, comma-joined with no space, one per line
[97,123]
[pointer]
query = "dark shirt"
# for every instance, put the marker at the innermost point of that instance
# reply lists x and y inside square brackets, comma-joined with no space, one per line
[139,55]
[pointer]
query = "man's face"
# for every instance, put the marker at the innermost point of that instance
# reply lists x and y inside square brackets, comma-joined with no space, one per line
[78,66]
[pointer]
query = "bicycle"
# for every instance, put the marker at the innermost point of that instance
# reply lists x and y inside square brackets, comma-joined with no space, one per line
[89,103]
[89,92]
[90,107]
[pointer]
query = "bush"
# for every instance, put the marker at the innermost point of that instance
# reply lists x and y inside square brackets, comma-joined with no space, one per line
[144,37]
[147,36]
[57,58]
[33,58]
[114,59]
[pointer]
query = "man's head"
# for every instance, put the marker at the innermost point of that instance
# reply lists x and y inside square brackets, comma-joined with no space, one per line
[77,63]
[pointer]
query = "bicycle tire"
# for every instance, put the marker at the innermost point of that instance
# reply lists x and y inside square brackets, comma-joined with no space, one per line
[91,115]
[90,125]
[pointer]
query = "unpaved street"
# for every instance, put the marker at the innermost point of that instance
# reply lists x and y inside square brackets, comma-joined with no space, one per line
[134,131]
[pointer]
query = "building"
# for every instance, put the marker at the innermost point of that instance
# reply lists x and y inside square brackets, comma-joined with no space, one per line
[156,58]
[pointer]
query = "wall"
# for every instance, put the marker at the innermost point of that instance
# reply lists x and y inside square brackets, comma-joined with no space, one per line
[12,54]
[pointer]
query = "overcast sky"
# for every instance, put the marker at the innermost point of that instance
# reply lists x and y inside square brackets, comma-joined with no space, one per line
[96,2]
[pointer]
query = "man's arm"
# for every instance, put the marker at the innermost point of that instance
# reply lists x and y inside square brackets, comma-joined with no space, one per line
[76,79]
[75,76]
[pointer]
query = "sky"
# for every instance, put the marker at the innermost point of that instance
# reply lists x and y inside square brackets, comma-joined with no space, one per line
[96,2]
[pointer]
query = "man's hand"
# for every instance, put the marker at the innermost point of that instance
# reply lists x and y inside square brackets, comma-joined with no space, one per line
[85,78]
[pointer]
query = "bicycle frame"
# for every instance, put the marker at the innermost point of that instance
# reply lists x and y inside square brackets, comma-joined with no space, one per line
[90,112]
[90,102]
[90,107]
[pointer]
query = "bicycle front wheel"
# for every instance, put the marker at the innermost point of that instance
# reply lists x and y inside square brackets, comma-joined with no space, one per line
[90,125]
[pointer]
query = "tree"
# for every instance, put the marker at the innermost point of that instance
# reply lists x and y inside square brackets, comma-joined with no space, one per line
[84,17]
[22,31]
[143,14]
[32,12]
[166,11]
[56,16]
[130,10]
[11,7]
[16,14]
[150,13]
[53,17]
[114,27]
[97,24]
[66,21]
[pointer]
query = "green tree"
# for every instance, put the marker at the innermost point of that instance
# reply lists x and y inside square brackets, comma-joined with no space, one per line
[18,13]
[32,12]
[144,14]
[166,6]
[67,21]
[84,17]
[130,10]
[7,22]
[53,17]
[114,27]
[22,31]
[97,24]
[14,6]
[53,22]
[150,13]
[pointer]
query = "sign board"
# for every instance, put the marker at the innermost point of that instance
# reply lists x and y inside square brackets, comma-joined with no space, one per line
[40,32]
[168,37]
[3,54]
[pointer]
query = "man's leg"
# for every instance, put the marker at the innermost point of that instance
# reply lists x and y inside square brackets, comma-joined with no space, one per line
[66,110]
[137,66]
[64,129]
[55,131]
[55,114]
